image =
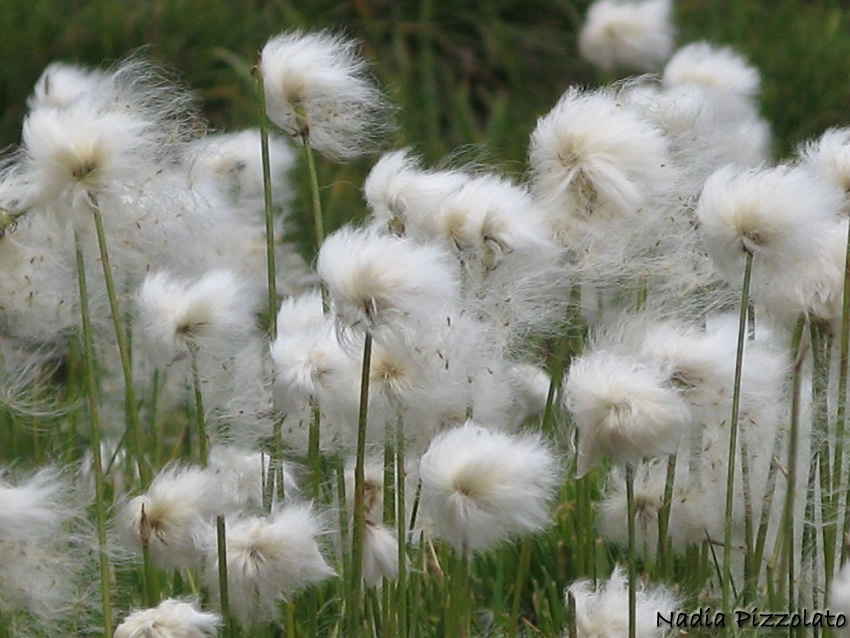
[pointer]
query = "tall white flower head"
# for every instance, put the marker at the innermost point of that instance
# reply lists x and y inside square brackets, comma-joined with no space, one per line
[719,68]
[785,217]
[268,560]
[603,611]
[377,281]
[400,192]
[319,89]
[61,84]
[622,409]
[179,318]
[170,516]
[480,487]
[593,156]
[172,618]
[635,35]
[34,508]
[75,154]
[829,156]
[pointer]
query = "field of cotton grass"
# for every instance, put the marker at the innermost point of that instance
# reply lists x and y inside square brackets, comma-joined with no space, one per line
[422,321]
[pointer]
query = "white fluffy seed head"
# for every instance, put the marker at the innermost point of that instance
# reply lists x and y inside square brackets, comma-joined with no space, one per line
[781,215]
[61,84]
[35,508]
[602,611]
[77,153]
[622,409]
[829,156]
[180,318]
[481,487]
[268,560]
[380,554]
[592,156]
[719,68]
[172,618]
[177,505]
[839,591]
[621,34]
[318,88]
[376,282]
[400,193]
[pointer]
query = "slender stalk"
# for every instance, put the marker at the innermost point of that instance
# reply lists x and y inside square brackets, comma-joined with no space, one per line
[318,216]
[630,509]
[151,588]
[799,348]
[521,575]
[199,409]
[457,620]
[401,532]
[764,521]
[223,587]
[664,515]
[94,414]
[314,459]
[841,420]
[271,269]
[733,436]
[131,407]
[354,601]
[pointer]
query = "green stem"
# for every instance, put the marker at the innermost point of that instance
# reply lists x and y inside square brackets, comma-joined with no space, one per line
[199,409]
[314,459]
[91,393]
[764,521]
[271,270]
[318,217]
[521,575]
[841,420]
[630,514]
[223,585]
[799,349]
[359,495]
[664,515]
[401,531]
[733,436]
[132,409]
[151,586]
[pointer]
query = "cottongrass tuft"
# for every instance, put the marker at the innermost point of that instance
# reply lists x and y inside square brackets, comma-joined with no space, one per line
[172,618]
[268,559]
[319,90]
[716,68]
[602,611]
[480,487]
[630,35]
[379,282]
[623,409]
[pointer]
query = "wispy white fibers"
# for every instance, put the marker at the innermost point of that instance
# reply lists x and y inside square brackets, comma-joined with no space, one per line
[239,476]
[172,618]
[623,409]
[785,217]
[720,68]
[36,508]
[268,559]
[622,34]
[231,164]
[378,283]
[481,487]
[400,192]
[61,84]
[602,611]
[45,543]
[210,315]
[829,156]
[178,504]
[319,89]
